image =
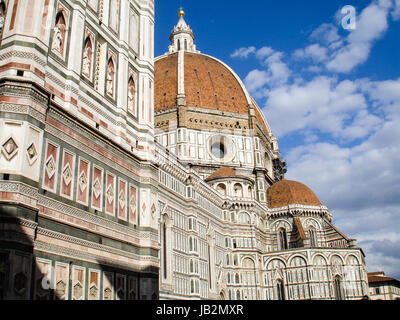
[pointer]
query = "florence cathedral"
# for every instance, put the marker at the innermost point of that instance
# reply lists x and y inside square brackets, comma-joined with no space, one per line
[125,176]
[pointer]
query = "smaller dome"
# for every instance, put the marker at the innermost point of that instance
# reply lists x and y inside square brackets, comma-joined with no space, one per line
[223,173]
[286,192]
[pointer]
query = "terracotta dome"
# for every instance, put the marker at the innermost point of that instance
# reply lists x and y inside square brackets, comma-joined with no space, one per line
[286,192]
[225,172]
[208,84]
[203,85]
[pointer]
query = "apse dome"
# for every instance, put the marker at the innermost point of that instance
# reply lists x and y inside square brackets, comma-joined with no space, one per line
[287,192]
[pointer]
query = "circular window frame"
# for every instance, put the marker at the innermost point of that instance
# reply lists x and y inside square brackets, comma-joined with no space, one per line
[229,148]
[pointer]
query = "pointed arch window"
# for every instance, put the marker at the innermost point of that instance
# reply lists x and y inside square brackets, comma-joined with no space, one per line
[237,278]
[192,289]
[191,266]
[238,295]
[338,288]
[282,238]
[164,246]
[250,192]
[280,290]
[313,237]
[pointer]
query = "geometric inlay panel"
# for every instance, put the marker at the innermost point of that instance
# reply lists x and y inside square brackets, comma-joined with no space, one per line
[9,148]
[50,167]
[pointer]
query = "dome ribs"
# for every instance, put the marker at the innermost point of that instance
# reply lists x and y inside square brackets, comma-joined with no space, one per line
[209,84]
[287,192]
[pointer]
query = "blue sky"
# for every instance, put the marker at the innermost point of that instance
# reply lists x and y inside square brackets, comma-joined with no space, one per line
[331,96]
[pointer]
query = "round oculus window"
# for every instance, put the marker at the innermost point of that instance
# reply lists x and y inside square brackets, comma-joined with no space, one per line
[221,148]
[218,150]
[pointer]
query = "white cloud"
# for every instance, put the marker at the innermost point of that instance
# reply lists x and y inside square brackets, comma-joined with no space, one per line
[371,25]
[243,52]
[264,52]
[276,73]
[323,104]
[314,51]
[348,151]
[361,184]
[256,79]
[343,54]
[326,33]
[396,11]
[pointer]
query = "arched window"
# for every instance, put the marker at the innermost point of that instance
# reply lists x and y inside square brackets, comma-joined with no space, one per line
[114,15]
[186,45]
[60,28]
[250,192]
[164,245]
[282,238]
[238,295]
[248,263]
[244,218]
[179,44]
[237,278]
[313,237]
[221,188]
[238,190]
[234,243]
[191,244]
[338,288]
[131,95]
[192,286]
[87,58]
[280,290]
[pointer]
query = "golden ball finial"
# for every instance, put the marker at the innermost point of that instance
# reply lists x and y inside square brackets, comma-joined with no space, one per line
[181,12]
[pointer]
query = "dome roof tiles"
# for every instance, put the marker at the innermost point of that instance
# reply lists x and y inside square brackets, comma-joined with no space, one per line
[224,172]
[166,82]
[287,192]
[208,83]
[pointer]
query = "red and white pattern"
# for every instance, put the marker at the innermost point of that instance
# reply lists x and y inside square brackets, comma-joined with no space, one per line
[110,194]
[122,199]
[82,190]
[50,167]
[97,188]
[67,175]
[133,205]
